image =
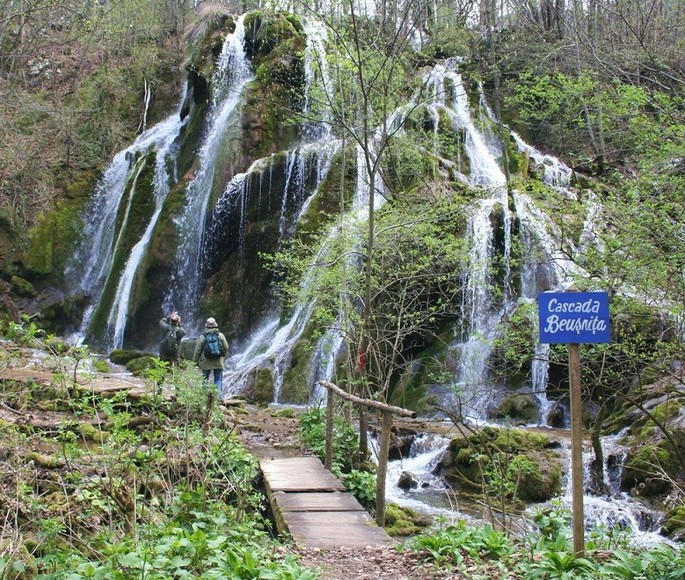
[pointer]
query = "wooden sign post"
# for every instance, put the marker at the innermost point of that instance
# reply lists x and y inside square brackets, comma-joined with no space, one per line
[574,318]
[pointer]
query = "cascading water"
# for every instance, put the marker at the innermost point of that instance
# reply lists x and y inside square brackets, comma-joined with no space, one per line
[270,344]
[614,510]
[102,254]
[232,74]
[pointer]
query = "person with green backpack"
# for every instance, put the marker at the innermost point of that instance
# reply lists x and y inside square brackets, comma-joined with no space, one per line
[210,350]
[172,333]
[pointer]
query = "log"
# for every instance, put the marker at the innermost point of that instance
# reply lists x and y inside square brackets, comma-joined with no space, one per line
[368,402]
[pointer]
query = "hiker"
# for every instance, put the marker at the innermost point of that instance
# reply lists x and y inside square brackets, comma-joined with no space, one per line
[173,332]
[210,351]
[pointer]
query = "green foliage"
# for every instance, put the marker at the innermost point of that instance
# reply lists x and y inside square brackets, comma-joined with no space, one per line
[362,485]
[550,556]
[418,248]
[448,546]
[562,565]
[345,438]
[212,544]
[515,344]
[553,522]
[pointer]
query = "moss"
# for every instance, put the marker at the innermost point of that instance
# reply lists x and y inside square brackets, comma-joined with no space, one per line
[52,241]
[542,481]
[139,366]
[674,524]
[22,287]
[91,433]
[48,462]
[404,522]
[122,356]
[533,469]
[520,408]
[297,378]
[263,386]
[650,468]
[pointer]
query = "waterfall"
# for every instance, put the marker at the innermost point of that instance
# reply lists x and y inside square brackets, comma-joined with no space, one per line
[555,172]
[228,81]
[317,75]
[269,346]
[93,264]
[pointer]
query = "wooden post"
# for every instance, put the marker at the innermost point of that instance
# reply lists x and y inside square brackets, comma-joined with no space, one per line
[328,458]
[386,427]
[576,450]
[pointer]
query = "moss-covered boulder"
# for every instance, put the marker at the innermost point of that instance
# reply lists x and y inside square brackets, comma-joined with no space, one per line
[139,366]
[520,409]
[650,469]
[674,524]
[522,465]
[402,521]
[123,356]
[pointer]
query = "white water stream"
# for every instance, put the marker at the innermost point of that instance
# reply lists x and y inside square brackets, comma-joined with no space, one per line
[613,511]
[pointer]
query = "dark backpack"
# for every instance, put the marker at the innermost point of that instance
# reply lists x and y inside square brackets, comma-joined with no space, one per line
[169,343]
[213,347]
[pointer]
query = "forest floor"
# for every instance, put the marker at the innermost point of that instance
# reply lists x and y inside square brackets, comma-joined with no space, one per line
[266,432]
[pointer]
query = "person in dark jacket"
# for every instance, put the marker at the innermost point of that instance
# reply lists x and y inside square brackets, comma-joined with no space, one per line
[172,333]
[208,365]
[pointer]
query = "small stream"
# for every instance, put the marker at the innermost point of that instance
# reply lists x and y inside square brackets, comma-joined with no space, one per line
[427,493]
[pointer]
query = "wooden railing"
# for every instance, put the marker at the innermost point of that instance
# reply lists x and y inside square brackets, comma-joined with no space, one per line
[387,412]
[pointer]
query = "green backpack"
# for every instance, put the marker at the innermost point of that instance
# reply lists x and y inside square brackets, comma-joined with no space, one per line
[169,344]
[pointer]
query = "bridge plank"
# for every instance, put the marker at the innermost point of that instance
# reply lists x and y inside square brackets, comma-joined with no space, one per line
[311,505]
[317,502]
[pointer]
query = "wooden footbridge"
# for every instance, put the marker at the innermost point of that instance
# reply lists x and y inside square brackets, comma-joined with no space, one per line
[312,506]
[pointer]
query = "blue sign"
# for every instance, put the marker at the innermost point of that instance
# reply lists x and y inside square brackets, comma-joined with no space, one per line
[573,317]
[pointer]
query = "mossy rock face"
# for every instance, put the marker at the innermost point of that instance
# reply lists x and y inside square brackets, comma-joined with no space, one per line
[22,287]
[52,242]
[263,386]
[333,194]
[296,380]
[650,469]
[259,387]
[521,409]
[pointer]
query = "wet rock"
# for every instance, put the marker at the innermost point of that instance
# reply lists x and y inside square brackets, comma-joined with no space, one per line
[557,417]
[521,409]
[407,481]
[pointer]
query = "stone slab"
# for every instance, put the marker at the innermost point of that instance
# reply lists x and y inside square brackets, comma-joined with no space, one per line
[317,502]
[298,474]
[335,529]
